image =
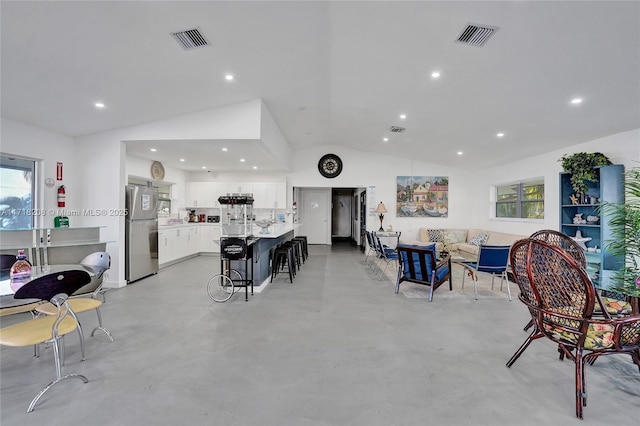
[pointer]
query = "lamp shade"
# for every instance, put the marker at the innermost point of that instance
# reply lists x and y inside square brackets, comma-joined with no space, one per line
[381,208]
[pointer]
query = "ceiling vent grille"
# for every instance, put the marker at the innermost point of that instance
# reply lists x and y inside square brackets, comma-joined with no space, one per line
[476,35]
[190,39]
[396,129]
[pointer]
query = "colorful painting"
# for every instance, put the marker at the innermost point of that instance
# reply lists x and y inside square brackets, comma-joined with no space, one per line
[422,196]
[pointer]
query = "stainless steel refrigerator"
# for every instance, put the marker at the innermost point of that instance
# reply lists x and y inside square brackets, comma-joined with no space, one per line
[141,232]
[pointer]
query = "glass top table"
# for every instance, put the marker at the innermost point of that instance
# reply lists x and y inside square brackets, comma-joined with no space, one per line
[8,286]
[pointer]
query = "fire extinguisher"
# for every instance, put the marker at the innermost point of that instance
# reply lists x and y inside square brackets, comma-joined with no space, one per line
[61,196]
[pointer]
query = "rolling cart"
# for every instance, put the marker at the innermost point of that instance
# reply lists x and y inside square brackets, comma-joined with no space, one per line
[236,248]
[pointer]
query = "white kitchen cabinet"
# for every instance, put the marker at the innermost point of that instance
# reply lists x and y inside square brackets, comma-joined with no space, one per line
[181,242]
[187,241]
[194,194]
[269,195]
[210,238]
[276,196]
[265,195]
[210,192]
[260,196]
[192,245]
[204,194]
[167,246]
[239,187]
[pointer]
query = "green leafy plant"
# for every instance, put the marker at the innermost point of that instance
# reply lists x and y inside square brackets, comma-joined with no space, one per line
[580,166]
[625,241]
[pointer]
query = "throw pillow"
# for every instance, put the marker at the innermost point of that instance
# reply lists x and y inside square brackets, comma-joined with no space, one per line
[455,236]
[479,239]
[436,235]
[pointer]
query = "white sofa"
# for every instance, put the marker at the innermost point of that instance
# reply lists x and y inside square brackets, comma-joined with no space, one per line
[463,239]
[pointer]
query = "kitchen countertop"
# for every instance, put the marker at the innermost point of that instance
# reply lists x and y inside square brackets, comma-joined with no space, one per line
[276,230]
[186,224]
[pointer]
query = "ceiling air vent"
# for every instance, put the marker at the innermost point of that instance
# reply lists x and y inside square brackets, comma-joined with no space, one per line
[396,129]
[190,39]
[476,35]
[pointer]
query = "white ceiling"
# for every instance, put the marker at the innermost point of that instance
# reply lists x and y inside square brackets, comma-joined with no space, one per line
[332,73]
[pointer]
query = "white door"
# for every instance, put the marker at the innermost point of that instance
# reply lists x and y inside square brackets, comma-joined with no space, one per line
[314,215]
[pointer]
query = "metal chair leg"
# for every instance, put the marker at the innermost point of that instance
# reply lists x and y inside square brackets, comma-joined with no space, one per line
[59,376]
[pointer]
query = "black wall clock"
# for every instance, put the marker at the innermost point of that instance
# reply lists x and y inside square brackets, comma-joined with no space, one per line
[330,165]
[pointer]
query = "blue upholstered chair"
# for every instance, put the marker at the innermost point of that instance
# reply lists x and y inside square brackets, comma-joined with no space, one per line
[371,248]
[420,265]
[493,260]
[384,253]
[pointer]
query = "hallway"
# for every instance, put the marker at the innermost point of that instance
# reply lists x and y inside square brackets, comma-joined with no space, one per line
[337,347]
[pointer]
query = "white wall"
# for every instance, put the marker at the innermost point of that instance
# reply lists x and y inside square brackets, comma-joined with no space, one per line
[141,168]
[622,148]
[48,148]
[378,174]
[274,140]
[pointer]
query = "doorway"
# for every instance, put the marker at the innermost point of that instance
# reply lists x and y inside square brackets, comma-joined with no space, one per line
[332,215]
[314,209]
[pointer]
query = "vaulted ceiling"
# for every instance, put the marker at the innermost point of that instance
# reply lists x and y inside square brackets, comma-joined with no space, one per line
[333,73]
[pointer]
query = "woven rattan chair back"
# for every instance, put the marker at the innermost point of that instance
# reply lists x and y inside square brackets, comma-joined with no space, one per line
[566,243]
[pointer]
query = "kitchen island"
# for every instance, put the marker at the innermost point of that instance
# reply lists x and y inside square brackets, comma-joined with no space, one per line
[261,250]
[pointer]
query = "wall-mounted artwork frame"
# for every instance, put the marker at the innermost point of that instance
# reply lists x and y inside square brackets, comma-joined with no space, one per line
[422,196]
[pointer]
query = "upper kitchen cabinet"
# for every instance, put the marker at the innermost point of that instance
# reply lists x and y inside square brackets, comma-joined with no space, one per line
[239,188]
[204,194]
[269,195]
[266,195]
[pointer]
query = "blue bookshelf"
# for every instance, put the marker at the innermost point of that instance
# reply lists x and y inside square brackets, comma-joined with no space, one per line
[608,188]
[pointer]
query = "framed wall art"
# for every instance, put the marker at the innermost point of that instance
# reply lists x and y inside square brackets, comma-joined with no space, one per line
[422,196]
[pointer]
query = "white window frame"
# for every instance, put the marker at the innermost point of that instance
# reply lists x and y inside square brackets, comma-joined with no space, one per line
[7,161]
[493,195]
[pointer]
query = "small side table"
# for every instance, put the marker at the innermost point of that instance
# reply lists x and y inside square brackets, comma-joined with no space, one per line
[389,236]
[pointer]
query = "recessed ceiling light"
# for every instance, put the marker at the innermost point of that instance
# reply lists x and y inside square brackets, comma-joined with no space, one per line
[225,149]
[204,167]
[460,152]
[255,167]
[385,139]
[500,135]
[435,74]
[242,160]
[228,77]
[153,150]
[576,101]
[182,159]
[99,105]
[403,116]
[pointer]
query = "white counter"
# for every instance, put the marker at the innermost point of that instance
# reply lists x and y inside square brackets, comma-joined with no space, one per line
[276,230]
[186,225]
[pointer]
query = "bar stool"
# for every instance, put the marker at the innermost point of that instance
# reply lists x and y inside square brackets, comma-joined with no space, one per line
[297,251]
[305,248]
[283,255]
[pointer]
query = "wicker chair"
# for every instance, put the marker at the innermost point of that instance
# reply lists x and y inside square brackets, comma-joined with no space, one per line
[561,299]
[613,306]
[423,268]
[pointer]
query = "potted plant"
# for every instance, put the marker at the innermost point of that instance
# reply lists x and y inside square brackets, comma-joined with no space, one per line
[581,167]
[625,241]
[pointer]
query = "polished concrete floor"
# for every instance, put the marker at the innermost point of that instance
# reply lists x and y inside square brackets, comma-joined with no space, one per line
[337,347]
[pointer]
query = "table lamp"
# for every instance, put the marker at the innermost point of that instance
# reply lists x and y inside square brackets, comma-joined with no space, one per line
[381,209]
